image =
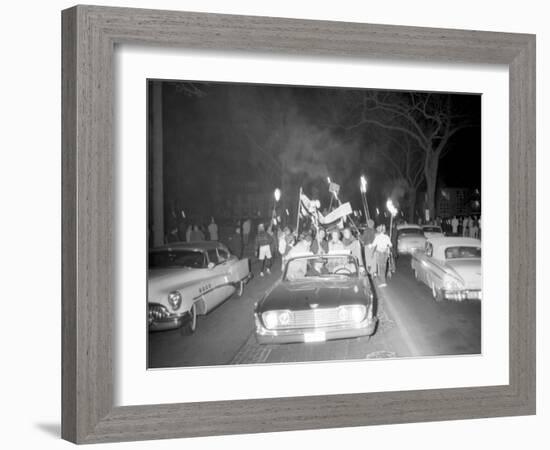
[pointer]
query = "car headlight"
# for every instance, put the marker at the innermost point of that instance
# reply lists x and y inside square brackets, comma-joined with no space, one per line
[284,318]
[274,319]
[343,314]
[452,284]
[270,319]
[174,298]
[353,313]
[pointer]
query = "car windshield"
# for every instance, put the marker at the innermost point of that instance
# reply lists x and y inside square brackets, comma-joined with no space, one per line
[431,229]
[409,232]
[164,259]
[326,266]
[462,252]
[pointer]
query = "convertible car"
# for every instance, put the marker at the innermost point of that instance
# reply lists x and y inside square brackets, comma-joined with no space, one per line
[318,298]
[410,238]
[188,279]
[451,267]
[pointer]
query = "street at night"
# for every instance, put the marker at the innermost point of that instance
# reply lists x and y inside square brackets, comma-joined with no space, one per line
[411,324]
[295,223]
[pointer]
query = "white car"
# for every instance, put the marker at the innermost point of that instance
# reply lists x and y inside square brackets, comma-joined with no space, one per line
[190,279]
[450,267]
[410,238]
[432,231]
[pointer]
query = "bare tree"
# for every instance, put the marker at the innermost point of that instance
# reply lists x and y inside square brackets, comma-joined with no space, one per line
[427,120]
[402,159]
[191,89]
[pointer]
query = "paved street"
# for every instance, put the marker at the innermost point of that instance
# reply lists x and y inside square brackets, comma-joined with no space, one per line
[411,324]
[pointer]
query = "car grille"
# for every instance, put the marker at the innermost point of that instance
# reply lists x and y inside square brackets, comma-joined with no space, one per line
[315,318]
[473,295]
[157,312]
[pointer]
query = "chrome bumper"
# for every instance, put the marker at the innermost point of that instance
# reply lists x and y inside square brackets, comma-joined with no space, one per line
[469,294]
[160,319]
[408,250]
[286,336]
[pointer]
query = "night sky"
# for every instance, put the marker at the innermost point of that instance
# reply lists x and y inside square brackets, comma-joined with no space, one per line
[218,134]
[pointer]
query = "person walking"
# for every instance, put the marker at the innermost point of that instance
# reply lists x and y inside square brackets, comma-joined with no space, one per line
[454,225]
[263,249]
[368,238]
[235,243]
[286,242]
[246,230]
[382,246]
[213,230]
[474,230]
[196,234]
[465,226]
[354,246]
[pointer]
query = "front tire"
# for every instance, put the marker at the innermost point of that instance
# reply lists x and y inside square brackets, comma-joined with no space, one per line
[437,295]
[191,326]
[240,288]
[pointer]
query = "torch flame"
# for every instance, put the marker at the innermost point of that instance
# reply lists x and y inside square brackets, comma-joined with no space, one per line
[363,184]
[391,208]
[277,194]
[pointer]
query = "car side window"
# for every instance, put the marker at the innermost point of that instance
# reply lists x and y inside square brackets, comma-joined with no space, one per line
[223,255]
[429,249]
[213,256]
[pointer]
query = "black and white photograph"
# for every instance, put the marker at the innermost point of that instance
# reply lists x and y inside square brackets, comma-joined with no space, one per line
[291,224]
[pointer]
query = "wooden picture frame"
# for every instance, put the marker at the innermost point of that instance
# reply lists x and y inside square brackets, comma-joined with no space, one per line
[89,37]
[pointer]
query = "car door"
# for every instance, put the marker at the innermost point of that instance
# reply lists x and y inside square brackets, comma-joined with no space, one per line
[236,269]
[435,269]
[219,287]
[428,265]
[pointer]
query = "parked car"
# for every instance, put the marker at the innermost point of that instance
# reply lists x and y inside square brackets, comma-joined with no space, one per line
[450,267]
[190,279]
[432,231]
[318,298]
[410,238]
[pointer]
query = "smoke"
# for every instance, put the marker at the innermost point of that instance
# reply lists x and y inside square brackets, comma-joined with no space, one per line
[396,190]
[314,152]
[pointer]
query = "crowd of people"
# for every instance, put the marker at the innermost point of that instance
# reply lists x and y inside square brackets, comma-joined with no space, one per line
[183,230]
[372,248]
[467,226]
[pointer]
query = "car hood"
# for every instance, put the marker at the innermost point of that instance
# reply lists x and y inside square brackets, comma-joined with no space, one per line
[433,234]
[411,240]
[162,281]
[468,270]
[303,295]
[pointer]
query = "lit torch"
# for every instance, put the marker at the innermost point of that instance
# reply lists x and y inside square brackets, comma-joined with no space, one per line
[277,197]
[393,212]
[363,184]
[363,188]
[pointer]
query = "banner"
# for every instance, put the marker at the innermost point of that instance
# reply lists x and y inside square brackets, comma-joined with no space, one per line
[339,213]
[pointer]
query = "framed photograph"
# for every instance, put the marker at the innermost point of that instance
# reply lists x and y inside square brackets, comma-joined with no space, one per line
[268,222]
